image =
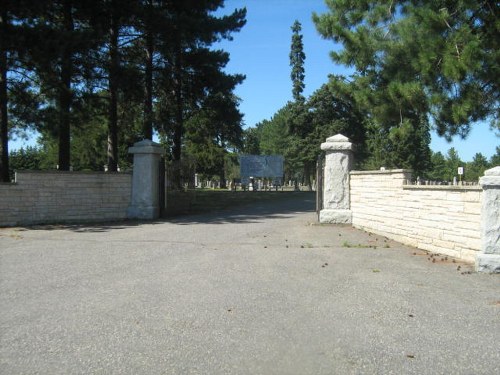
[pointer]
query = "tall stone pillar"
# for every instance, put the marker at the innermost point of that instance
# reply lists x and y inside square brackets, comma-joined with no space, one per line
[489,258]
[338,163]
[145,201]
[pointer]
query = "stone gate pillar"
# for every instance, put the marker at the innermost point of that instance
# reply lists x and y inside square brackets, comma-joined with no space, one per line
[338,163]
[488,260]
[145,201]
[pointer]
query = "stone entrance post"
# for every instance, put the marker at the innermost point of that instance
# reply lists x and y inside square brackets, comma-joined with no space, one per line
[145,180]
[489,258]
[338,163]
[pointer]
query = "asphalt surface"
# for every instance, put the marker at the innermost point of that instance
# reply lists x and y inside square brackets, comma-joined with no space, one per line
[256,290]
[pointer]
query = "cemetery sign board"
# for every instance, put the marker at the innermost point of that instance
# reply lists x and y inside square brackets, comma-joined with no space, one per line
[261,166]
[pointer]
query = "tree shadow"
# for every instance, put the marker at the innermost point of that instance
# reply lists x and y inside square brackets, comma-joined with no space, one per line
[243,214]
[253,213]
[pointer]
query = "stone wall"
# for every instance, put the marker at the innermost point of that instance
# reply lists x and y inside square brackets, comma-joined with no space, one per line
[442,219]
[55,197]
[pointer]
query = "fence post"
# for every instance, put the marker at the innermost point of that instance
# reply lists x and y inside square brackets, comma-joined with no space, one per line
[488,260]
[336,195]
[145,180]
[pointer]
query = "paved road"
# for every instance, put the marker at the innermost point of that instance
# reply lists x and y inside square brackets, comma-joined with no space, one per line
[254,291]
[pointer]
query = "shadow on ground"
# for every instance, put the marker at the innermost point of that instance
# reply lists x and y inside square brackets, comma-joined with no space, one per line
[282,207]
[254,212]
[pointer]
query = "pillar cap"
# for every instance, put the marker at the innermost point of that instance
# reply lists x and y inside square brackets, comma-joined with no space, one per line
[146,146]
[491,177]
[337,142]
[493,171]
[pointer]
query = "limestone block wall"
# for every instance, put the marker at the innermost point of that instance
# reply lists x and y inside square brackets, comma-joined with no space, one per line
[54,197]
[441,219]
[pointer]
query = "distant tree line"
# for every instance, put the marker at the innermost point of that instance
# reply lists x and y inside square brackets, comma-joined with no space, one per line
[94,76]
[445,167]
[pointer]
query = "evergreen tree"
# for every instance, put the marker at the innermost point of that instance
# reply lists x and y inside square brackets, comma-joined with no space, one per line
[453,161]
[438,170]
[251,140]
[81,63]
[117,18]
[298,122]
[29,158]
[417,60]
[191,70]
[427,57]
[475,169]
[61,36]
[4,122]
[297,59]
[212,132]
[17,102]
[495,159]
[331,114]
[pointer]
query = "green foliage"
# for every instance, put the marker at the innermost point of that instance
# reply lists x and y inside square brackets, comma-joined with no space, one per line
[475,169]
[251,138]
[453,161]
[416,60]
[211,131]
[76,70]
[495,159]
[273,132]
[438,167]
[297,59]
[435,57]
[29,158]
[297,130]
[445,168]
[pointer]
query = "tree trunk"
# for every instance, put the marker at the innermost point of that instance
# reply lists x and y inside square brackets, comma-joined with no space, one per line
[4,126]
[113,92]
[179,120]
[148,102]
[307,175]
[65,95]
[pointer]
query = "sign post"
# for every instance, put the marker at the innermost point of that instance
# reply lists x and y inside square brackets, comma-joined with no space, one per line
[460,173]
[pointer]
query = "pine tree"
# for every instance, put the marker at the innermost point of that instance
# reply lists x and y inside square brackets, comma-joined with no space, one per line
[436,58]
[475,169]
[387,85]
[438,170]
[297,59]
[453,161]
[495,159]
[4,121]
[60,38]
[191,70]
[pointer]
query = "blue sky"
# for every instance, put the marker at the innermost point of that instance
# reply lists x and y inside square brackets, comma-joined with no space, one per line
[260,51]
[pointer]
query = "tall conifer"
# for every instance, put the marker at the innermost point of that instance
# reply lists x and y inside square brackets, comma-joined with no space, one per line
[297,59]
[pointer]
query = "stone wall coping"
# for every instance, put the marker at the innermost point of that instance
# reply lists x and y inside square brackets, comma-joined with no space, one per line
[444,187]
[387,171]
